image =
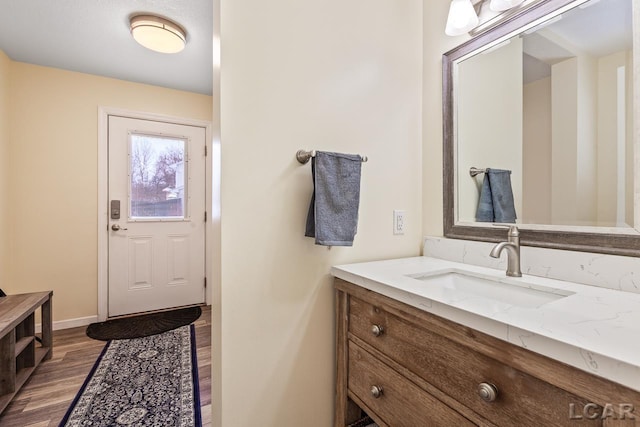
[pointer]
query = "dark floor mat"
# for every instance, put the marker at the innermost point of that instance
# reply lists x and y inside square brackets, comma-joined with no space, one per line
[143,325]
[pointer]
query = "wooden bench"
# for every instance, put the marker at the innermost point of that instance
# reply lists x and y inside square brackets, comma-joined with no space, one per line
[20,353]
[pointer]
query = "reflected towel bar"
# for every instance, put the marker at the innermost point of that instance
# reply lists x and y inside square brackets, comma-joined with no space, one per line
[303,156]
[476,171]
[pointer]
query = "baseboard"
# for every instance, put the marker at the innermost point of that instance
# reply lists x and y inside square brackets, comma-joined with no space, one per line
[70,323]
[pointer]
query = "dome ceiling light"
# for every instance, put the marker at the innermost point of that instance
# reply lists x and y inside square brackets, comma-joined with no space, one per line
[158,34]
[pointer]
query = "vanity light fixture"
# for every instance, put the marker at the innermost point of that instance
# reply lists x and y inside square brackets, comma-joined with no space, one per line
[158,34]
[500,5]
[477,15]
[462,18]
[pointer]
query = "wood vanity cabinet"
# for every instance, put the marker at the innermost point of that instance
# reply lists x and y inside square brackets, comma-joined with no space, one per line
[406,367]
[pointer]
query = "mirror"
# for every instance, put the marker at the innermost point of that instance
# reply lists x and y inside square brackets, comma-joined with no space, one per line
[547,95]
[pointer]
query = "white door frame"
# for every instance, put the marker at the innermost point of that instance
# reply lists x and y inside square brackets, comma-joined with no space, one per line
[103,197]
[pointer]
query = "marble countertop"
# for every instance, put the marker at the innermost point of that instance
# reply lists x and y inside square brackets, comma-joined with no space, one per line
[592,328]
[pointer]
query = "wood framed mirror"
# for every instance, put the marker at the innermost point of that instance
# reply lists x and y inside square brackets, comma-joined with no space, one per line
[499,116]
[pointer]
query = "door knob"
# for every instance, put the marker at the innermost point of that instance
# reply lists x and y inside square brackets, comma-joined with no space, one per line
[116,227]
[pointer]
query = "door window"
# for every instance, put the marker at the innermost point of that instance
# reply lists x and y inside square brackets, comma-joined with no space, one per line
[157,177]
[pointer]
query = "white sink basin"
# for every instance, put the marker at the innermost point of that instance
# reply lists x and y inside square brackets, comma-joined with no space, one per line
[457,284]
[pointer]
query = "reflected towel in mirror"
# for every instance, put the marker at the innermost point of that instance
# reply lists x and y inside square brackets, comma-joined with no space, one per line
[496,198]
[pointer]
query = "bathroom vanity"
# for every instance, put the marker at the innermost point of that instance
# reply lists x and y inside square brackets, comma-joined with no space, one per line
[428,342]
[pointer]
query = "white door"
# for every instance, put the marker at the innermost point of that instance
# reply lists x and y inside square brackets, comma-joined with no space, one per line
[156,215]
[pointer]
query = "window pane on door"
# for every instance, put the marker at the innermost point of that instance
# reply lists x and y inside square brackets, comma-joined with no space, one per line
[157,171]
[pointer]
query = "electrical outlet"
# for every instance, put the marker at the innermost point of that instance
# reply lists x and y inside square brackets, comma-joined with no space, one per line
[398,222]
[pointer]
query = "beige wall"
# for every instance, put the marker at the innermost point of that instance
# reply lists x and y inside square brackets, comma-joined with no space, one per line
[586,157]
[536,152]
[53,173]
[631,122]
[564,99]
[607,188]
[574,141]
[608,140]
[327,75]
[5,65]
[435,44]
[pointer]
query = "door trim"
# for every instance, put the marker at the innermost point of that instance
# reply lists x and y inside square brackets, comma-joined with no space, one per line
[103,196]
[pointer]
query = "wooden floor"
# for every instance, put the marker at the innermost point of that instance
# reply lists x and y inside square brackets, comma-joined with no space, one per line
[44,399]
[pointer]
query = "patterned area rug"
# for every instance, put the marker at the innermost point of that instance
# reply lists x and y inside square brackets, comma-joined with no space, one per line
[149,381]
[143,325]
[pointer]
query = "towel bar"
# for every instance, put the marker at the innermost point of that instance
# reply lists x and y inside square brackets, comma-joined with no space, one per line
[473,171]
[303,156]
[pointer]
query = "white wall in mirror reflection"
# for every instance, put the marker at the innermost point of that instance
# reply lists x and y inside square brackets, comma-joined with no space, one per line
[559,115]
[489,122]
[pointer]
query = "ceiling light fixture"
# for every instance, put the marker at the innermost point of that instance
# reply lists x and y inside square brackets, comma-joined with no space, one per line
[158,34]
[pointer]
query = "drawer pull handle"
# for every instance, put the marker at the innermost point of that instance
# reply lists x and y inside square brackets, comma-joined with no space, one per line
[376,391]
[488,392]
[377,330]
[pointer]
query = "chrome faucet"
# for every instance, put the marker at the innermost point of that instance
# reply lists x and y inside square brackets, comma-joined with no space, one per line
[512,245]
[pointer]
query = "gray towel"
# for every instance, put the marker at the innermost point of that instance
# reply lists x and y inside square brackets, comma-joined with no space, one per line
[496,198]
[333,213]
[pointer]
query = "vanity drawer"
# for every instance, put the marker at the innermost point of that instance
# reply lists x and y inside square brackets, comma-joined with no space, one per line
[400,402]
[459,371]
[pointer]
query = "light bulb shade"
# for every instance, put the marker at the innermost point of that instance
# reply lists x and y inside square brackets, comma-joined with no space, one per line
[462,18]
[500,5]
[158,34]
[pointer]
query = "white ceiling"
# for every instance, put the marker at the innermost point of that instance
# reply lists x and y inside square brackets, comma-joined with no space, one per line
[597,28]
[92,36]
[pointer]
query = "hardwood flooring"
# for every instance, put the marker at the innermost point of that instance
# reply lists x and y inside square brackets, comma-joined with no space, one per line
[46,396]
